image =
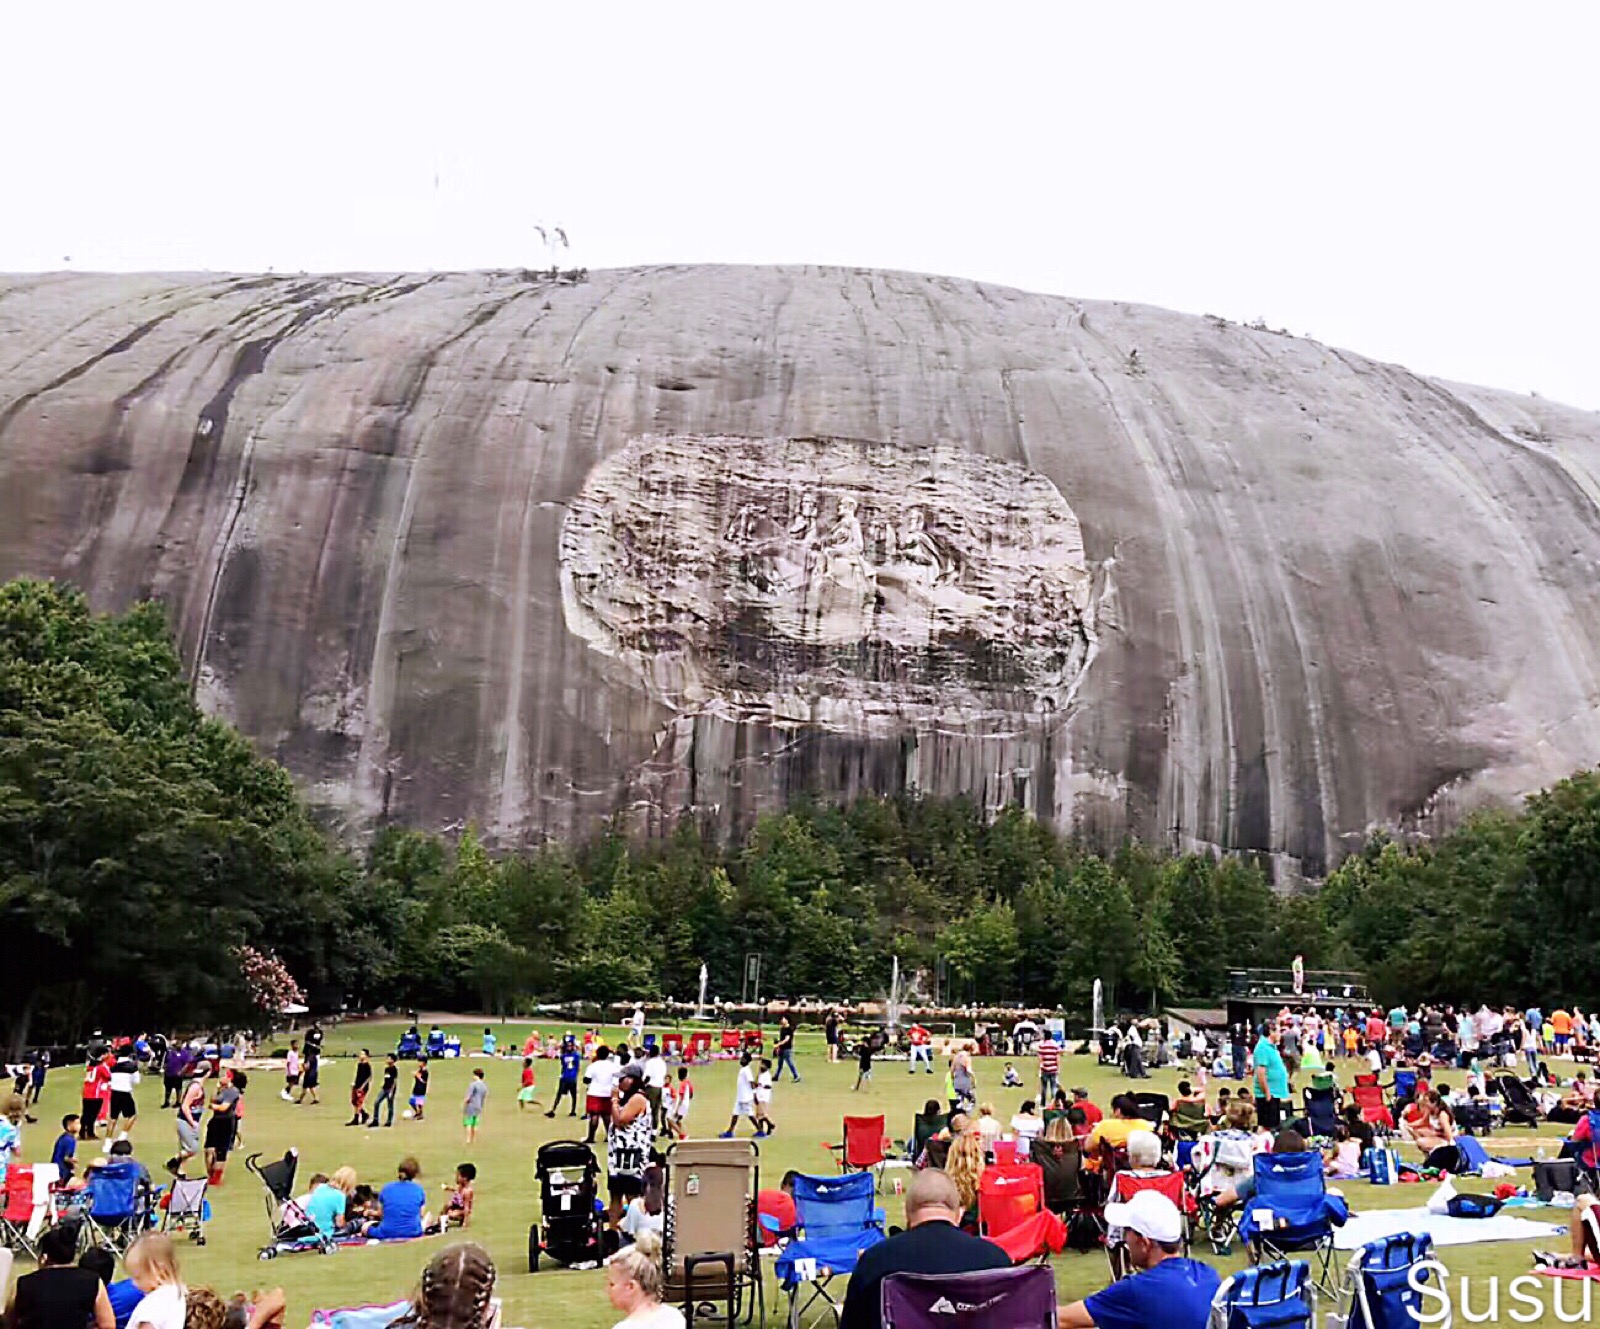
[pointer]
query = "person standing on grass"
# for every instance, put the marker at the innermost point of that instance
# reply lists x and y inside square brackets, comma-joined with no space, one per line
[655,1086]
[744,1099]
[863,1062]
[223,1127]
[785,1047]
[830,1031]
[95,1073]
[681,1098]
[630,1136]
[291,1071]
[124,1078]
[191,1105]
[570,1062]
[387,1089]
[921,1050]
[419,1089]
[528,1089]
[1049,1067]
[358,1089]
[764,1124]
[473,1104]
[601,1078]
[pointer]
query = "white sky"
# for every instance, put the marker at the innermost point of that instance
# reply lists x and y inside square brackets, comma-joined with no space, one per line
[1413,181]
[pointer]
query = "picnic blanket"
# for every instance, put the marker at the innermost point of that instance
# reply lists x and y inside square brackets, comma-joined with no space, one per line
[1376,1224]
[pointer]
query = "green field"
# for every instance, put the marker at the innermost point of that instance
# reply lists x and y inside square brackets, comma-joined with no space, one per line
[807,1114]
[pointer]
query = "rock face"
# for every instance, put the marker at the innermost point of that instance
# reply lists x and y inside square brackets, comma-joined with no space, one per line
[538,552]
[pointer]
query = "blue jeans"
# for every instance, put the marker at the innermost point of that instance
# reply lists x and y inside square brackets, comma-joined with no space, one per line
[1238,1061]
[786,1058]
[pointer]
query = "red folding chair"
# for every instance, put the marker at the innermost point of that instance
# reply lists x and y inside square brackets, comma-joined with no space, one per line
[1128,1184]
[1005,1152]
[731,1040]
[754,1040]
[18,1211]
[1374,1111]
[1013,1215]
[700,1045]
[865,1148]
[672,1045]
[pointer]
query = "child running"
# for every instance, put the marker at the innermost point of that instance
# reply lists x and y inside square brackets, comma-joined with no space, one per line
[680,1097]
[863,1062]
[525,1095]
[472,1105]
[744,1099]
[291,1071]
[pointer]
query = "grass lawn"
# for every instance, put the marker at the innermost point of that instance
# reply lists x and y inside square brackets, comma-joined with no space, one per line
[807,1114]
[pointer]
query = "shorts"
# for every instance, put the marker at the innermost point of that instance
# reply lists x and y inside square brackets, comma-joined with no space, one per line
[622,1186]
[311,1079]
[219,1136]
[418,1102]
[597,1107]
[744,1107]
[358,1097]
[188,1137]
[1269,1112]
[122,1105]
[525,1094]
[470,1122]
[291,1081]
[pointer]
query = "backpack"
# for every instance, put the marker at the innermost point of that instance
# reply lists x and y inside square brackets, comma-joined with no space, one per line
[1463,1205]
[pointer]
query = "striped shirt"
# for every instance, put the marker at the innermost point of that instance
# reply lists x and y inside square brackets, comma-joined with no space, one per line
[1049,1057]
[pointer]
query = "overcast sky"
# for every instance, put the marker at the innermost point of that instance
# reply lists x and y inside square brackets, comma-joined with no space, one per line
[1416,182]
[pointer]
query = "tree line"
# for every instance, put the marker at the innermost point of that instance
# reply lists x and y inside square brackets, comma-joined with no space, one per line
[142,843]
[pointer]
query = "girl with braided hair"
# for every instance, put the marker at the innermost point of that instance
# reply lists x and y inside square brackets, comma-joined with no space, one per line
[456,1291]
[634,1283]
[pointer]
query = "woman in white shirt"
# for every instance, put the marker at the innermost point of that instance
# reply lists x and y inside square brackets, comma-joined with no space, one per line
[152,1264]
[1027,1124]
[634,1283]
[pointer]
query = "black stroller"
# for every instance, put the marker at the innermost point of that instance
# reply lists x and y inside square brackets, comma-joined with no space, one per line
[569,1199]
[292,1229]
[1522,1107]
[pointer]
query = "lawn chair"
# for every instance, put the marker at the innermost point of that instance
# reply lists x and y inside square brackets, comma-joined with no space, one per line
[923,1128]
[17,1214]
[1405,1088]
[1292,1211]
[1124,1188]
[730,1041]
[1156,1109]
[116,1206]
[1271,1296]
[1012,1213]
[1322,1111]
[1374,1110]
[938,1152]
[1189,1121]
[1382,1280]
[1521,1106]
[1218,1163]
[710,1250]
[1003,1152]
[185,1209]
[1022,1298]
[837,1219]
[865,1148]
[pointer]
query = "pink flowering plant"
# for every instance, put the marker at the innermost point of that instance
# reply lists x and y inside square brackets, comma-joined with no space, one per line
[267,979]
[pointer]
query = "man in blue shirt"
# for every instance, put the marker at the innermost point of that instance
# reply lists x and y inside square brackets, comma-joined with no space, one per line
[567,1085]
[1271,1086]
[1168,1290]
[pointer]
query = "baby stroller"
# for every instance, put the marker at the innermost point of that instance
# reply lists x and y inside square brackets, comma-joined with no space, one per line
[569,1204]
[292,1230]
[1522,1108]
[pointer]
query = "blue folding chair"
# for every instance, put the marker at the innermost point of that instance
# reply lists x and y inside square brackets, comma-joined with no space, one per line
[1291,1211]
[1270,1296]
[1382,1282]
[116,1206]
[836,1219]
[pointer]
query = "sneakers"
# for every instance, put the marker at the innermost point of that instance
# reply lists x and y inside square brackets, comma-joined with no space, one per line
[761,1135]
[726,1135]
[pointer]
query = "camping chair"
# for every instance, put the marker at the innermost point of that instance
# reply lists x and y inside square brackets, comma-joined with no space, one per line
[1123,1189]
[1374,1110]
[17,1215]
[186,1208]
[709,1245]
[117,1206]
[1292,1211]
[1156,1109]
[1189,1121]
[938,1152]
[730,1040]
[1012,1212]
[1405,1088]
[1322,1111]
[1061,1163]
[837,1219]
[1002,1152]
[1380,1283]
[1270,1296]
[1022,1298]
[1521,1106]
[923,1129]
[865,1148]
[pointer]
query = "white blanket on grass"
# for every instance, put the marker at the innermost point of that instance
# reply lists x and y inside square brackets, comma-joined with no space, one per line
[1376,1224]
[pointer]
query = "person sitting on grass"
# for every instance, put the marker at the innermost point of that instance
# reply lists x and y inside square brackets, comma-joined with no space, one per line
[326,1204]
[1431,1126]
[459,1201]
[647,1212]
[1167,1290]
[456,1291]
[1583,1253]
[404,1206]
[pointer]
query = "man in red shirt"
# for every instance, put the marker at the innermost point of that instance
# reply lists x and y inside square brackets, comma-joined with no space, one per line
[96,1095]
[1091,1114]
[775,1212]
[921,1049]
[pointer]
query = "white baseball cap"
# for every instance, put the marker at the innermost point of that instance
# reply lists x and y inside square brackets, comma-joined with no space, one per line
[1150,1214]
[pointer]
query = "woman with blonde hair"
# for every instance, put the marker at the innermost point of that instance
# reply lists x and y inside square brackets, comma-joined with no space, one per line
[344,1181]
[634,1283]
[988,1125]
[152,1264]
[456,1292]
[964,1166]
